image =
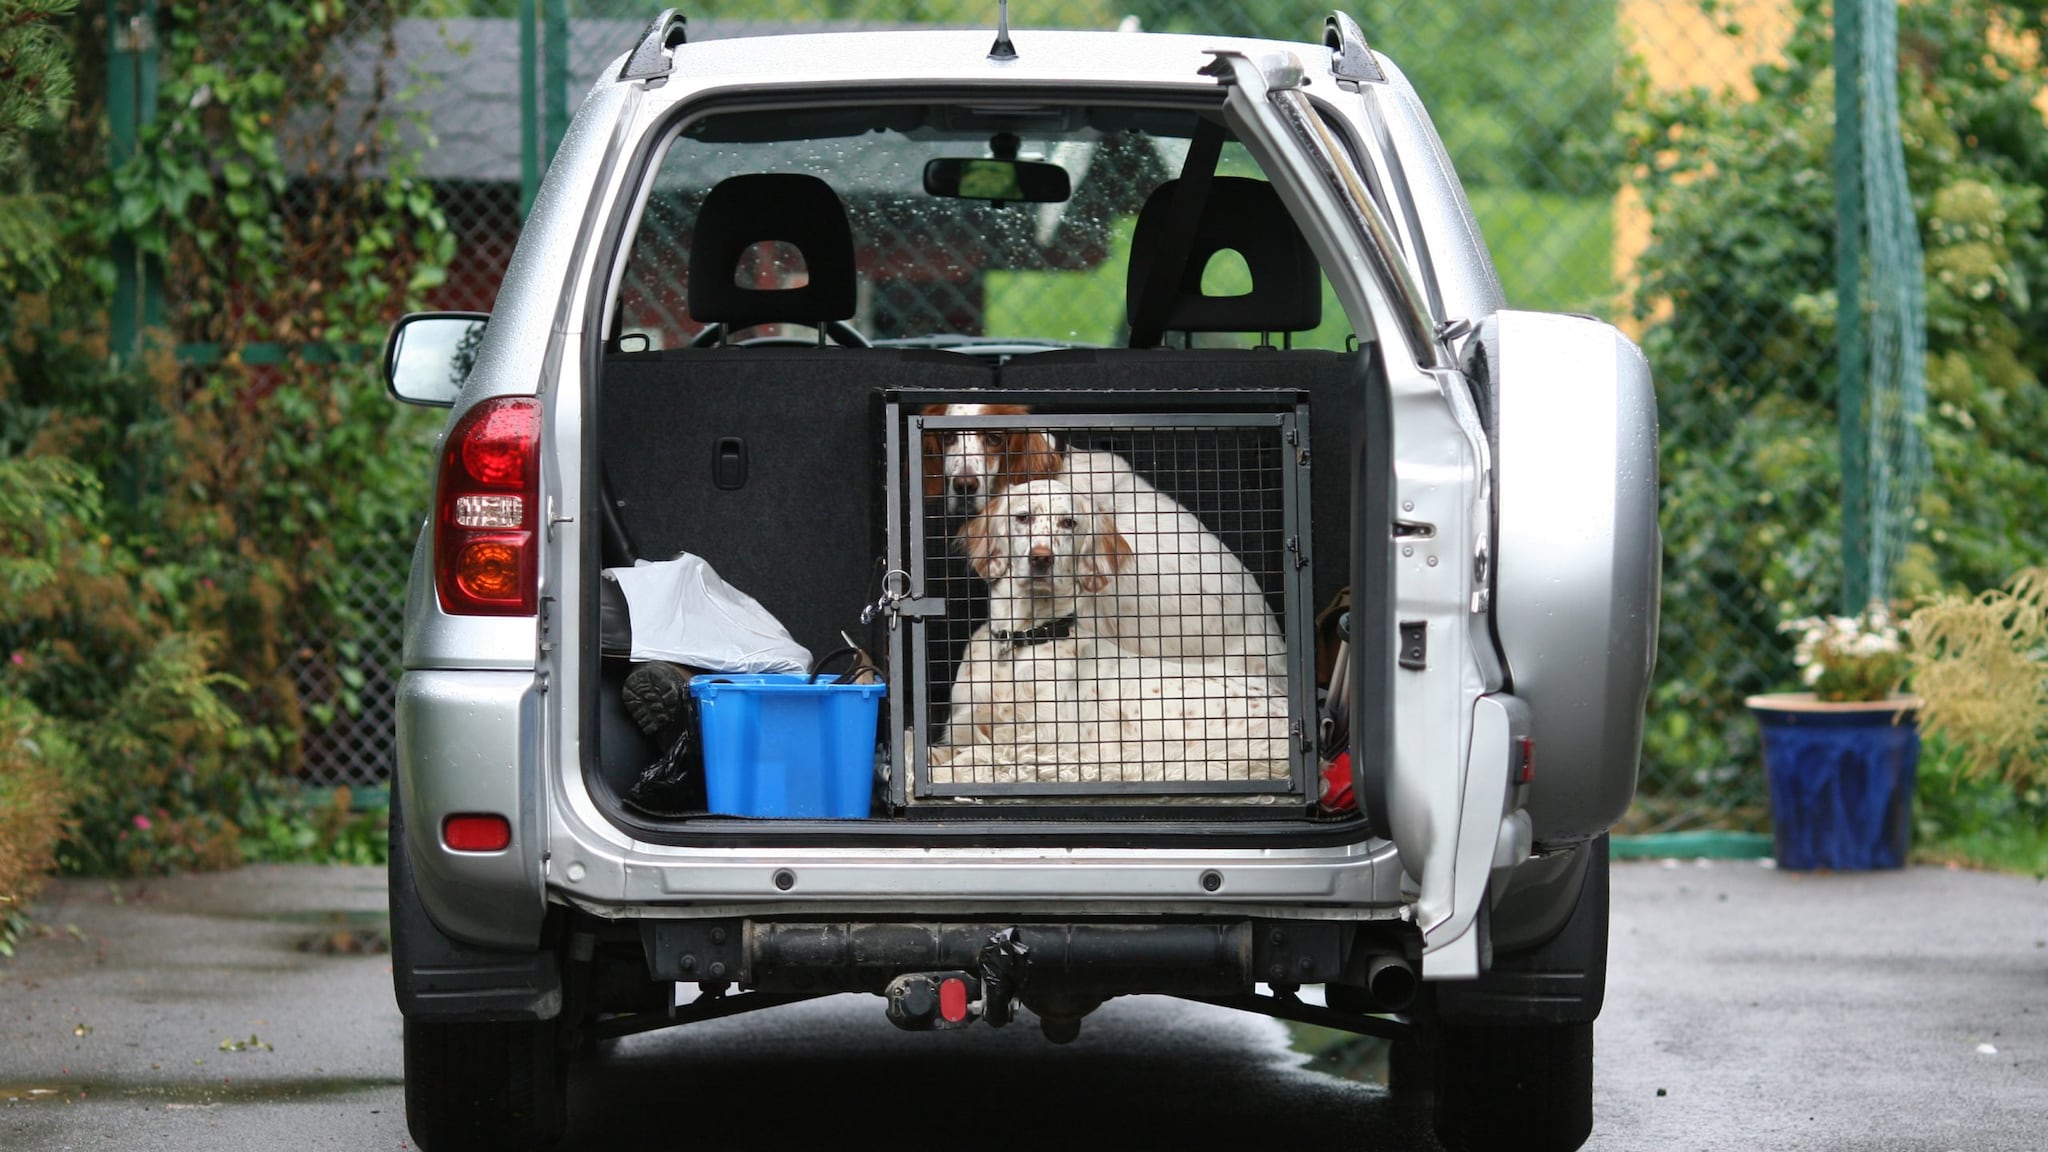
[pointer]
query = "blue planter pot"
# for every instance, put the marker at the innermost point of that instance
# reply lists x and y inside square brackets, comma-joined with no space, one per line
[1841,779]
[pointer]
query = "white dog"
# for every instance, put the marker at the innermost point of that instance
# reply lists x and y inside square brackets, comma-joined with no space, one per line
[1179,590]
[1048,692]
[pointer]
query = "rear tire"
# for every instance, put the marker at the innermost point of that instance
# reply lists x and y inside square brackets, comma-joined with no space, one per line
[501,1087]
[1522,1087]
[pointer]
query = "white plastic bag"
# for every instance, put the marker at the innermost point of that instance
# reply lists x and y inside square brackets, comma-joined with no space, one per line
[683,612]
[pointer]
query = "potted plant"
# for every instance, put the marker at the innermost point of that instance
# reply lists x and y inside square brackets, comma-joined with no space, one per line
[1841,756]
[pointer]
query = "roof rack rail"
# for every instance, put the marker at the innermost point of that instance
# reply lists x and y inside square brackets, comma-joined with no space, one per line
[651,61]
[1354,59]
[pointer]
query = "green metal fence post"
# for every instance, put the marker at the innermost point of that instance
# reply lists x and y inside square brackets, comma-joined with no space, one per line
[1852,390]
[555,51]
[131,105]
[529,105]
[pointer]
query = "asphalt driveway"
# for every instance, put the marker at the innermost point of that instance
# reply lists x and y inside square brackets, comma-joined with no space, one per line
[1747,1008]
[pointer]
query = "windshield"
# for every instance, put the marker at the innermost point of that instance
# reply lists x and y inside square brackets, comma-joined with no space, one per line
[943,266]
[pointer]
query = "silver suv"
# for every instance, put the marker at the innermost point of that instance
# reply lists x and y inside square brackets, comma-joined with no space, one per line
[1003,522]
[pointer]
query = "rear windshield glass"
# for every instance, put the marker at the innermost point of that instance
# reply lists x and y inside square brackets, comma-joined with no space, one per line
[993,255]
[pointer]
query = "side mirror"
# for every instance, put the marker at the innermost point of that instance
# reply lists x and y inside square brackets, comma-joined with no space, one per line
[1026,181]
[430,354]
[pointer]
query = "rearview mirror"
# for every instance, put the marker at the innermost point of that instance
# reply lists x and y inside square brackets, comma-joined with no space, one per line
[1027,181]
[430,354]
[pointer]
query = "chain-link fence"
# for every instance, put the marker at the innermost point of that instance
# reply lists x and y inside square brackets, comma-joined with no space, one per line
[1538,104]
[348,684]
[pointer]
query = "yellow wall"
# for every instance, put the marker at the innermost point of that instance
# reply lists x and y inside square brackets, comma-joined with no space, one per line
[1682,47]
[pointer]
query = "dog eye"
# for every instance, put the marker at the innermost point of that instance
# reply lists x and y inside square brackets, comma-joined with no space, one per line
[1023,517]
[1068,522]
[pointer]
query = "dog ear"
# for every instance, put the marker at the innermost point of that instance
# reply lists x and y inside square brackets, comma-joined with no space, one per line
[1105,552]
[1029,455]
[984,546]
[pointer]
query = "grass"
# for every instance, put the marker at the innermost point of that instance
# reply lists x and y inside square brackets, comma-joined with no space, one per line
[1959,820]
[1977,822]
[2019,850]
[1345,1054]
[1553,253]
[1085,307]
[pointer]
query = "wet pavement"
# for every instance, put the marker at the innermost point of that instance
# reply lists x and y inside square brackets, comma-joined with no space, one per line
[1750,1008]
[1747,1008]
[218,1011]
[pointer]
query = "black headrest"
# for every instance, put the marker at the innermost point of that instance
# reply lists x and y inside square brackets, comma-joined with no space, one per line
[796,209]
[1247,217]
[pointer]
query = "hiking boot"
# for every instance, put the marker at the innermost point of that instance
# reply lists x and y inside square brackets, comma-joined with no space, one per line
[654,694]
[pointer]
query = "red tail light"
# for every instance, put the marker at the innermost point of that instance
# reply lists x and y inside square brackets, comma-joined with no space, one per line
[486,523]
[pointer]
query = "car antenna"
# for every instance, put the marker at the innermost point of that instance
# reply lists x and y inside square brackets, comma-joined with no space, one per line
[1003,49]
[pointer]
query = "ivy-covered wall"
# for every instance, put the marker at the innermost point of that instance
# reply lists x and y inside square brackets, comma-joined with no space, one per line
[175,527]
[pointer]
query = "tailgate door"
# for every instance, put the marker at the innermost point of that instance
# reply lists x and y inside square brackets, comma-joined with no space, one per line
[1430,745]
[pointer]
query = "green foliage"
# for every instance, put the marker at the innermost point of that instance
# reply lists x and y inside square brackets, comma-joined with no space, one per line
[271,474]
[35,72]
[107,686]
[168,536]
[285,824]
[35,84]
[39,766]
[36,766]
[1736,293]
[1964,818]
[1524,93]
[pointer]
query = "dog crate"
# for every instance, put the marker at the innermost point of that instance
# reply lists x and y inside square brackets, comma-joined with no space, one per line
[1127,622]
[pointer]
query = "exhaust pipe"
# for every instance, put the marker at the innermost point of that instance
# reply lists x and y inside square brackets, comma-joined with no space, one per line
[1390,981]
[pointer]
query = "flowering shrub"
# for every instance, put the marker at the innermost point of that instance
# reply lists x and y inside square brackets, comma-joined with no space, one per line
[1850,658]
[1981,668]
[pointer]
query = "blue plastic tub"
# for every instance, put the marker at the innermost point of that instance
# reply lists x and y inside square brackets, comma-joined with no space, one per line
[776,746]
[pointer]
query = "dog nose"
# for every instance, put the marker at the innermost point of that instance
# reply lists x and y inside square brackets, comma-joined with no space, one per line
[966,485]
[1041,558]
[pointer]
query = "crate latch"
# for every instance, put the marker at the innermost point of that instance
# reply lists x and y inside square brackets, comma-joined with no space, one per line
[897,603]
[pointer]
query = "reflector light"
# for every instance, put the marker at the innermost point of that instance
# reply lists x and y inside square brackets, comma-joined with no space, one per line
[489,511]
[1525,767]
[476,832]
[953,1000]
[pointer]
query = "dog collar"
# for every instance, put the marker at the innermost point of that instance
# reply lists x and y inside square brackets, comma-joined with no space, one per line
[1051,630]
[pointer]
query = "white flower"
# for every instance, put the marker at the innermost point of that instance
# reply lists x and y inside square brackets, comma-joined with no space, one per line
[1843,643]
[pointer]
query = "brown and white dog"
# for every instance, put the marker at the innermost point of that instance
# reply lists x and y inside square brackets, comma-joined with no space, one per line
[1048,691]
[973,464]
[1174,590]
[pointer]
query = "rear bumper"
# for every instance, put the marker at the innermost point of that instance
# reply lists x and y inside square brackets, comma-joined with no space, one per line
[475,741]
[1357,881]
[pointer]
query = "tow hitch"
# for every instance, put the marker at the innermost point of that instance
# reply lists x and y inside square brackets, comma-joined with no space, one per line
[922,1001]
[927,1001]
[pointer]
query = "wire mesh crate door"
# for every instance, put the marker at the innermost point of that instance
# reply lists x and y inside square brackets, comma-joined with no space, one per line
[1118,590]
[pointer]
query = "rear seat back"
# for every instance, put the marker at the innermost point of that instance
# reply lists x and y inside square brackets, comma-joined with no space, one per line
[767,462]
